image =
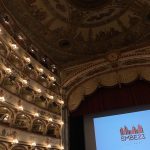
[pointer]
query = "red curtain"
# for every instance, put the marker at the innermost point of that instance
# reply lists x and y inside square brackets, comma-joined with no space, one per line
[108,98]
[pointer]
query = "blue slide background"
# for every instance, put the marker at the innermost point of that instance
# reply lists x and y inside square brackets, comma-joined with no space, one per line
[107,131]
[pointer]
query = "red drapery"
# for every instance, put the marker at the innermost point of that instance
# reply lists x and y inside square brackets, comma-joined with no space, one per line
[108,98]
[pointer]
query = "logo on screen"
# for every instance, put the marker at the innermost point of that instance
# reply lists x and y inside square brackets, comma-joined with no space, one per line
[132,134]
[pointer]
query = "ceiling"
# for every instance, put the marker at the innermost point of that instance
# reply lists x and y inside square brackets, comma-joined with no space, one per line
[72,32]
[93,43]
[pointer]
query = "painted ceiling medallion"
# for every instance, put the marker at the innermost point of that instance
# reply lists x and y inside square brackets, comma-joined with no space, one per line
[88,13]
[68,32]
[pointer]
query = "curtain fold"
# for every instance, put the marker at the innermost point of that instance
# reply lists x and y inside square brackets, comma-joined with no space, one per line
[108,98]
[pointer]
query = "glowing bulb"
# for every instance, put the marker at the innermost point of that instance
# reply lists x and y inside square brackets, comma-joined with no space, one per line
[27,59]
[38,90]
[6,117]
[14,46]
[49,146]
[61,147]
[20,107]
[44,60]
[36,114]
[32,50]
[53,84]
[50,119]
[61,122]
[40,70]
[8,70]
[0,31]
[2,99]
[52,78]
[24,81]
[33,144]
[42,77]
[6,21]
[15,141]
[61,102]
[50,97]
[53,66]
[20,37]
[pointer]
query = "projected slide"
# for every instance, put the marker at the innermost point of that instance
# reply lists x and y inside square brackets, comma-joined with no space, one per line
[129,131]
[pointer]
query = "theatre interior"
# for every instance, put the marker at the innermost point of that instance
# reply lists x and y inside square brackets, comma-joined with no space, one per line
[63,61]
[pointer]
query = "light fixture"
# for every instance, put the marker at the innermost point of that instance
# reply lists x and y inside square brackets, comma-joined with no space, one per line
[15,141]
[38,90]
[53,84]
[53,66]
[33,144]
[20,107]
[44,60]
[32,50]
[61,147]
[25,82]
[6,21]
[49,146]
[50,119]
[6,117]
[36,114]
[42,77]
[1,31]
[61,122]
[30,68]
[14,46]
[2,99]
[16,57]
[40,70]
[61,102]
[52,78]
[27,59]
[50,96]
[20,37]
[8,70]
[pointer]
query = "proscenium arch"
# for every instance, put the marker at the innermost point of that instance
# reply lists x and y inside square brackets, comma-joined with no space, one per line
[110,79]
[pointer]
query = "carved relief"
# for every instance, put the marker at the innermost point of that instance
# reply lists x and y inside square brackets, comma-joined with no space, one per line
[78,31]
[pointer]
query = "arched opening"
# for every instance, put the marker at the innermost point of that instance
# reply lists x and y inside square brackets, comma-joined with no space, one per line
[5,115]
[54,130]
[43,79]
[40,101]
[22,121]
[38,126]
[27,93]
[54,107]
[11,84]
[14,59]
[30,71]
